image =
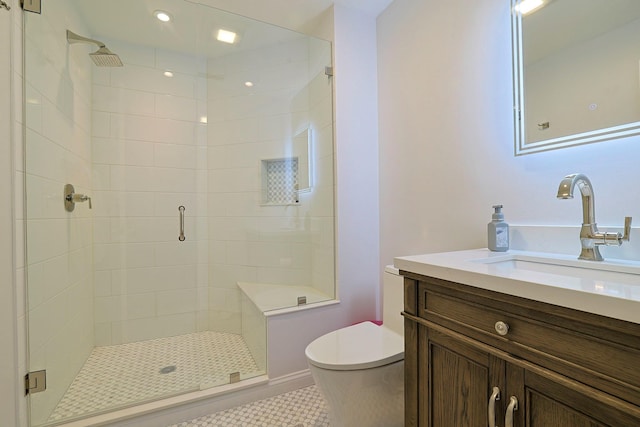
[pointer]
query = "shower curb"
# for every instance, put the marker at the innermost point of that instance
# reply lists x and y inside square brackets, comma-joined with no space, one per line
[198,403]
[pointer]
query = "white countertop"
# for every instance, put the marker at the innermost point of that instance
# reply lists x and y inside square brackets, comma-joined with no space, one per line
[561,279]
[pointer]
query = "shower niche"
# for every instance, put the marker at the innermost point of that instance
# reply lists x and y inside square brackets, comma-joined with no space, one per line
[121,311]
[283,180]
[280,182]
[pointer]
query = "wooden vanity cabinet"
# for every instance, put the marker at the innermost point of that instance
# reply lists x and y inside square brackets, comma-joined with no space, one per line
[565,368]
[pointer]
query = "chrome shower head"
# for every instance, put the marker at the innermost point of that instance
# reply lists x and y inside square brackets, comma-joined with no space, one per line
[103,57]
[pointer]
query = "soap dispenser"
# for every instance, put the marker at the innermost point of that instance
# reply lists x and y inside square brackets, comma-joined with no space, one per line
[498,231]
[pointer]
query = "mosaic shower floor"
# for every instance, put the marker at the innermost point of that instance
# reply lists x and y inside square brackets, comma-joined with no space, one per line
[126,374]
[299,408]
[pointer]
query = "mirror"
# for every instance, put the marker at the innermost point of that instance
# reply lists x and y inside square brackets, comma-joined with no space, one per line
[576,73]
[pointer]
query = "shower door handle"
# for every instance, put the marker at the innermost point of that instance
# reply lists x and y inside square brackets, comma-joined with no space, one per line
[181,236]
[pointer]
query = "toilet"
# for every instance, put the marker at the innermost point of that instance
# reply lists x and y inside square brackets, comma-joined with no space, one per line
[359,369]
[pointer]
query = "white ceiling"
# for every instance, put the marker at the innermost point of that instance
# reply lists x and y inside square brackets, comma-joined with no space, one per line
[293,14]
[194,21]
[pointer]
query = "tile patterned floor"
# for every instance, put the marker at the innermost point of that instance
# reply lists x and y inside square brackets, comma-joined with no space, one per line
[122,375]
[299,408]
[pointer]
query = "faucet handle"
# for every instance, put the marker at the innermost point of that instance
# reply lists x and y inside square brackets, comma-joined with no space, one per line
[627,229]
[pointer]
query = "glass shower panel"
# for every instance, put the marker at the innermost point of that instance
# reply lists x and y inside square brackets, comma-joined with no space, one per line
[271,181]
[190,220]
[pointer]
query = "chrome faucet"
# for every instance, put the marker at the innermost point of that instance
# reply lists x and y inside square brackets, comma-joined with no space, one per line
[590,237]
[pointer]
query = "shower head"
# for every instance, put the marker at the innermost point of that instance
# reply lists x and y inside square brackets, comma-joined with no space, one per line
[103,57]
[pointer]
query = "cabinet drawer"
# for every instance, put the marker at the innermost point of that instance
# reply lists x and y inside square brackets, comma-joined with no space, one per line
[606,358]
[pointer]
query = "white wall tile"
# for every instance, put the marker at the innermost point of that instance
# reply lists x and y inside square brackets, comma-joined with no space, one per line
[173,180]
[102,283]
[101,177]
[152,80]
[132,55]
[137,204]
[202,294]
[46,158]
[108,308]
[138,128]
[175,156]
[237,253]
[227,276]
[234,180]
[140,329]
[216,157]
[158,279]
[175,131]
[271,254]
[202,275]
[285,276]
[218,251]
[176,253]
[132,178]
[101,75]
[102,333]
[46,239]
[123,101]
[100,124]
[245,155]
[278,127]
[180,62]
[178,324]
[33,109]
[180,301]
[139,306]
[177,108]
[227,229]
[167,203]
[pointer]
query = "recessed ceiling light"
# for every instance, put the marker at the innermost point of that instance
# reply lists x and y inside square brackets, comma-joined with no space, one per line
[528,6]
[226,36]
[162,15]
[248,84]
[168,73]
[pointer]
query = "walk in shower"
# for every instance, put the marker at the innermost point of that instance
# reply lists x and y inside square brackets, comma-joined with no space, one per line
[177,172]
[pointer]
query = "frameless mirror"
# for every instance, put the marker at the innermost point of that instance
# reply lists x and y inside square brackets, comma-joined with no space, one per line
[576,72]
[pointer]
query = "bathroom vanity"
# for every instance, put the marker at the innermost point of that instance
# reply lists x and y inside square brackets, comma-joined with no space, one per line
[520,339]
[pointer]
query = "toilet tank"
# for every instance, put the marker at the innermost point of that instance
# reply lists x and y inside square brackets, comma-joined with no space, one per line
[393,299]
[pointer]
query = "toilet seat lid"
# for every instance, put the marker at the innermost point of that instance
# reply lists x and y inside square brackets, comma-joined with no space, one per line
[361,346]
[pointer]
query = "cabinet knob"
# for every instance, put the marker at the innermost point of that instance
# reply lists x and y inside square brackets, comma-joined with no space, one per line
[502,328]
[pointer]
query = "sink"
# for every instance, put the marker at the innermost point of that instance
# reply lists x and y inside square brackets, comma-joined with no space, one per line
[609,288]
[595,272]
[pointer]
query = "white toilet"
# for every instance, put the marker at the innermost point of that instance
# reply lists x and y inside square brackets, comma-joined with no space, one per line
[360,369]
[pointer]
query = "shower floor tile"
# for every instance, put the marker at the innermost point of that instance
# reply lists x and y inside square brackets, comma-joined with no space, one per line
[299,408]
[122,375]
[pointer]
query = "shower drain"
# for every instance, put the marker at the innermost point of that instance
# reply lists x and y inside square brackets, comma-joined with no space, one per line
[168,369]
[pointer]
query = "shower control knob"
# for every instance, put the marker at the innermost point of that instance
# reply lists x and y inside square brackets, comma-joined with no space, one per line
[502,328]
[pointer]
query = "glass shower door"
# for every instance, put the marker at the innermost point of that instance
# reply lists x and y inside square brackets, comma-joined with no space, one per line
[118,306]
[184,189]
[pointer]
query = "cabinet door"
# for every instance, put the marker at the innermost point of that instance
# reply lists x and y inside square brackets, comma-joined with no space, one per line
[547,399]
[455,382]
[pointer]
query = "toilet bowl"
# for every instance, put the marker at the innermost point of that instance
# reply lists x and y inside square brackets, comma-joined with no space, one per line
[359,369]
